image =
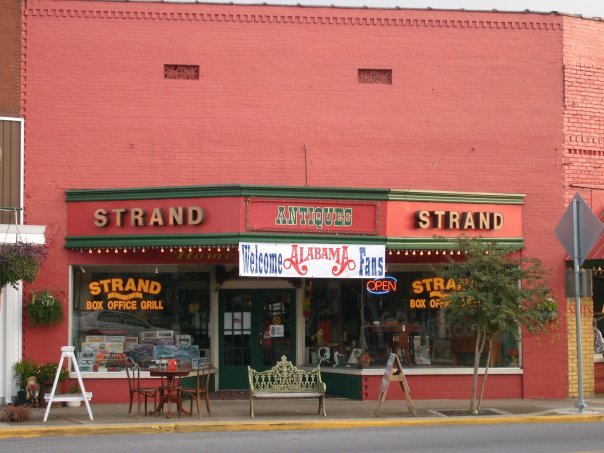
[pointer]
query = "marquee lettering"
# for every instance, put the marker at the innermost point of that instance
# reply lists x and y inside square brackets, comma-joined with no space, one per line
[314,215]
[455,220]
[139,217]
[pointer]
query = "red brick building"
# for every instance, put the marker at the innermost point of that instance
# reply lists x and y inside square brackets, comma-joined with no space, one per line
[147,105]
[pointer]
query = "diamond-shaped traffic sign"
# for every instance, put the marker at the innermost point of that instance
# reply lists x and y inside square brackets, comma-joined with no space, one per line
[588,229]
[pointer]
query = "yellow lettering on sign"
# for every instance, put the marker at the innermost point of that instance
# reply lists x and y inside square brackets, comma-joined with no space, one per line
[130,285]
[417,303]
[94,288]
[450,284]
[433,284]
[154,288]
[417,286]
[117,285]
[437,303]
[94,305]
[152,304]
[121,305]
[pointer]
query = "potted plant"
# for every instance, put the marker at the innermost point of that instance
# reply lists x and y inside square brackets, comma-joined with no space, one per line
[44,373]
[46,376]
[20,261]
[44,309]
[47,372]
[547,309]
[23,371]
[74,390]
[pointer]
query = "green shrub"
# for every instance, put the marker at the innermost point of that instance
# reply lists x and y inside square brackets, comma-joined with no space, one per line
[47,371]
[24,370]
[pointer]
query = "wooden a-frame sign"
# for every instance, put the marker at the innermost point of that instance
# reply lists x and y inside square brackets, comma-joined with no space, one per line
[394,373]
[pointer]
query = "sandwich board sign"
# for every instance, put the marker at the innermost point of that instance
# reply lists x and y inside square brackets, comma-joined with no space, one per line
[394,373]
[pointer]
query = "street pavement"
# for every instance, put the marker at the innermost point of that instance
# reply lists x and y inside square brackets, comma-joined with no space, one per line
[298,414]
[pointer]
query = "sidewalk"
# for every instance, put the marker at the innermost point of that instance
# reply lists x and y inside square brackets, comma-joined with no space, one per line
[232,415]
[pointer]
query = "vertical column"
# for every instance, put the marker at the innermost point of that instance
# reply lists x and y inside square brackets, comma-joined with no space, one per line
[3,338]
[301,351]
[587,346]
[10,340]
[213,327]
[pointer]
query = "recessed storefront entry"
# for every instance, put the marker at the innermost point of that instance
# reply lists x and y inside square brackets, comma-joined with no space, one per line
[257,327]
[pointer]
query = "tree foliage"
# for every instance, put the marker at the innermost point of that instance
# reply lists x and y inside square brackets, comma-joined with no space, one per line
[499,292]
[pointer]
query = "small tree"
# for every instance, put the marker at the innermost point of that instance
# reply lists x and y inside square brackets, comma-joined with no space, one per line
[498,293]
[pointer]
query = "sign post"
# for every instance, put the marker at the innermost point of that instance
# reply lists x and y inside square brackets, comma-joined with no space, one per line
[394,373]
[578,230]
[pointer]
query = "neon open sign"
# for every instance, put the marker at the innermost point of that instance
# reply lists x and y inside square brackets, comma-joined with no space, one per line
[382,285]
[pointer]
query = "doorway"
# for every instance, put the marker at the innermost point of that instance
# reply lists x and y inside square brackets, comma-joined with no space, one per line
[256,327]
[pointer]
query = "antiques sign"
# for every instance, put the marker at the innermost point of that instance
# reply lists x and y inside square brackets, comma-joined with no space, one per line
[313,216]
[311,260]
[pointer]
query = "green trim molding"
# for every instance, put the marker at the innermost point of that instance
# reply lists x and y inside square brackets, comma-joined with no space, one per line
[432,243]
[335,193]
[174,240]
[226,191]
[455,197]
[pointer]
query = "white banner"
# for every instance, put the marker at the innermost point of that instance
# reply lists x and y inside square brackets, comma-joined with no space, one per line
[311,260]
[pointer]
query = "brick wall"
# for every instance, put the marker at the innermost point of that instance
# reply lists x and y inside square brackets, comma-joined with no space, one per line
[583,159]
[475,104]
[583,112]
[599,378]
[587,347]
[447,387]
[10,56]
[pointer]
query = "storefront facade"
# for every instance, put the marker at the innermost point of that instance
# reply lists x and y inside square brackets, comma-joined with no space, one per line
[153,170]
[325,276]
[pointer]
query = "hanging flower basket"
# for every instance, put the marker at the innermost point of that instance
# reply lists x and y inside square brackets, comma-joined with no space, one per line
[547,310]
[44,309]
[20,261]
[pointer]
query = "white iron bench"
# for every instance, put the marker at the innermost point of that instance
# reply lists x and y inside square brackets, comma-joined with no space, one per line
[284,380]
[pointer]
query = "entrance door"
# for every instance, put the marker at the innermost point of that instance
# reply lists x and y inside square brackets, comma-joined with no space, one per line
[257,327]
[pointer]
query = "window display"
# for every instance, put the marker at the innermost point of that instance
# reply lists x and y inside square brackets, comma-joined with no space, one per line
[142,312]
[354,323]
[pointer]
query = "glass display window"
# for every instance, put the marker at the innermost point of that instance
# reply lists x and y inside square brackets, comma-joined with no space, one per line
[354,323]
[147,314]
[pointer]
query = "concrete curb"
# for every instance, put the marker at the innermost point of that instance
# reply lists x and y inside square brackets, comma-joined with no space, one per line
[273,425]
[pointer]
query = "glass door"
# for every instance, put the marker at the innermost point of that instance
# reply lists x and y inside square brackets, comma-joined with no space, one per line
[257,327]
